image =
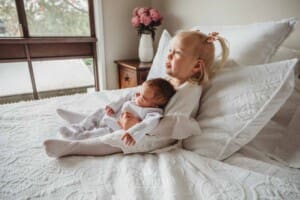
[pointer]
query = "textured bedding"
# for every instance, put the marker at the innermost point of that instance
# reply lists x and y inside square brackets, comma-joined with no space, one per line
[27,173]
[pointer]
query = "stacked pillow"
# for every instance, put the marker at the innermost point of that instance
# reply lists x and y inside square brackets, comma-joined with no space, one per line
[249,44]
[158,65]
[254,43]
[280,138]
[240,100]
[238,104]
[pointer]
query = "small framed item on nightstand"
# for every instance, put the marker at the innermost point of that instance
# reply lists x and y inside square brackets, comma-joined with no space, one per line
[132,72]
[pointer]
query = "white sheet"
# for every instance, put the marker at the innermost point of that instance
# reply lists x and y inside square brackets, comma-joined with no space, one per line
[27,173]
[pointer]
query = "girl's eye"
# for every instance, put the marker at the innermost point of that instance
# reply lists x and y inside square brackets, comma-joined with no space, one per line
[177,52]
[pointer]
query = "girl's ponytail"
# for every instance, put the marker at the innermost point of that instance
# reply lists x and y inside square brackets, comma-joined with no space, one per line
[225,51]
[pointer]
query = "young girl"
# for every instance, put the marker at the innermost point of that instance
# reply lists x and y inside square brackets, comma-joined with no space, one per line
[190,63]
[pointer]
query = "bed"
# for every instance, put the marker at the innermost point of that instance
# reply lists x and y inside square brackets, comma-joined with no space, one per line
[26,172]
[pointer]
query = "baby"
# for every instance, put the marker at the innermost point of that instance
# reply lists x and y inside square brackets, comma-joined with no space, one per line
[146,105]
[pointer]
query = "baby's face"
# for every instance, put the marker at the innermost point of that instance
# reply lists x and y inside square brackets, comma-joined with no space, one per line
[146,97]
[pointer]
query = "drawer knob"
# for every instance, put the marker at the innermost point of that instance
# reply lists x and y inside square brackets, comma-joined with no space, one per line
[127,78]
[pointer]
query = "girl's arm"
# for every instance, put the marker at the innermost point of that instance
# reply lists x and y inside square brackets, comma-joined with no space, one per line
[185,102]
[179,118]
[138,131]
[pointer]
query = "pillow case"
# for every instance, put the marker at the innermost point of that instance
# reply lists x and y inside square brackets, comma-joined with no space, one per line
[238,104]
[248,44]
[286,112]
[279,134]
[253,43]
[285,53]
[288,149]
[158,65]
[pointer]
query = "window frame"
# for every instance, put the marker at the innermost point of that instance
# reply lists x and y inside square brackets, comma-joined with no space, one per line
[32,48]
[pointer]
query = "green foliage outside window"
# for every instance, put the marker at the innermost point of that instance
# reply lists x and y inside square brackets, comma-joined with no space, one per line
[48,17]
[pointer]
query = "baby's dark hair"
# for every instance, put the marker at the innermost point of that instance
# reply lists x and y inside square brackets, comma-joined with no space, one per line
[163,90]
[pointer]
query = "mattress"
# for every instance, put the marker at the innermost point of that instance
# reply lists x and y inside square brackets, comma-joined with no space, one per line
[26,172]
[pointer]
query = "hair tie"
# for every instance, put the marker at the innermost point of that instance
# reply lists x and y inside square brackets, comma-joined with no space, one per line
[213,36]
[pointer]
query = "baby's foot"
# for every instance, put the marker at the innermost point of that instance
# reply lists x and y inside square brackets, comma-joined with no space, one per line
[58,148]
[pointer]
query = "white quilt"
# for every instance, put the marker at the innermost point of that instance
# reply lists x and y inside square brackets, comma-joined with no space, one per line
[27,173]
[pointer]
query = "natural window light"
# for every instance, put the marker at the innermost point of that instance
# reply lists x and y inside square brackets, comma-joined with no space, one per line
[47,48]
[57,18]
[9,22]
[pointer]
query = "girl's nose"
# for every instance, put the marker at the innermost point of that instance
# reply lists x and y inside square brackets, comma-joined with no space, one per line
[170,54]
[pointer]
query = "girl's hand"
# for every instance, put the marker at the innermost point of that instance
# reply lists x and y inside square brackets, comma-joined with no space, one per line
[128,140]
[109,111]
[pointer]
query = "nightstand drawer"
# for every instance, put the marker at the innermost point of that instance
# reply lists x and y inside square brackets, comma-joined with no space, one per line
[127,78]
[132,72]
[142,76]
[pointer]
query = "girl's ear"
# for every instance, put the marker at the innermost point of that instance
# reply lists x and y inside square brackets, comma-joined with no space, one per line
[199,65]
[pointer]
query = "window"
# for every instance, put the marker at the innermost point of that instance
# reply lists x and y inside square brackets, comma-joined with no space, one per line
[57,18]
[19,86]
[48,33]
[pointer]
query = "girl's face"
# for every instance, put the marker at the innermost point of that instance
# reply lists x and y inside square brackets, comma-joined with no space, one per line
[146,97]
[182,62]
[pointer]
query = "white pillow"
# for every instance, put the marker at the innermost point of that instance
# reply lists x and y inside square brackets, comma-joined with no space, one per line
[238,104]
[288,149]
[276,136]
[284,53]
[253,43]
[286,112]
[249,44]
[158,65]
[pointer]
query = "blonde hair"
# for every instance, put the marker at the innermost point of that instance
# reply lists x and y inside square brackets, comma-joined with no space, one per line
[205,50]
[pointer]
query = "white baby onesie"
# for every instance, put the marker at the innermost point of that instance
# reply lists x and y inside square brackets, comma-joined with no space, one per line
[150,118]
[98,124]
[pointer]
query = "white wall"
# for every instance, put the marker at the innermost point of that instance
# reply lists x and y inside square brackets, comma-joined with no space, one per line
[120,38]
[181,14]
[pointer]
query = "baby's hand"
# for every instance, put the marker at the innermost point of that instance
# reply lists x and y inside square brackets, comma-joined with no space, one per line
[127,120]
[109,111]
[128,139]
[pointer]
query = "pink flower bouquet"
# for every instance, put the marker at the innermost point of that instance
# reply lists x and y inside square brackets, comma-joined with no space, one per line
[145,20]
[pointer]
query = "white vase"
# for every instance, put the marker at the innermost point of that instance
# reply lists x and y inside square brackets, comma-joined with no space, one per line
[146,48]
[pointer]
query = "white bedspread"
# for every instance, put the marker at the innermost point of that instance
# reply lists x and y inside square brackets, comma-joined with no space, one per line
[27,173]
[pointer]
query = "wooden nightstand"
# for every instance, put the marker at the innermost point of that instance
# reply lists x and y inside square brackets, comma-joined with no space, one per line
[132,72]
